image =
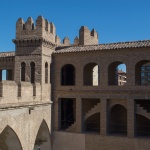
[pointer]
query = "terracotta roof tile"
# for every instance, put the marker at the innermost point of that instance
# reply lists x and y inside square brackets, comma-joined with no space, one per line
[110,46]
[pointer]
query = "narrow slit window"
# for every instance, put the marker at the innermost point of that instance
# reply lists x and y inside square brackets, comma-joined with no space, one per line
[46,72]
[32,78]
[23,68]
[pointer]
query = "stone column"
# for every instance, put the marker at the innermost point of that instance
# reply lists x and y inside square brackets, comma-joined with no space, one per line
[79,120]
[130,118]
[56,114]
[103,116]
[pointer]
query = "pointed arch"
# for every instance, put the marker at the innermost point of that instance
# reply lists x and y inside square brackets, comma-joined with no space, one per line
[9,139]
[43,139]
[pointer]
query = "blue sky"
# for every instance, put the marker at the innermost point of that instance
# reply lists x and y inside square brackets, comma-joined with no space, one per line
[115,20]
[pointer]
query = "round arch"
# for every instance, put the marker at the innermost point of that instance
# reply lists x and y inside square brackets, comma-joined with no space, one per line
[68,75]
[91,74]
[114,74]
[118,120]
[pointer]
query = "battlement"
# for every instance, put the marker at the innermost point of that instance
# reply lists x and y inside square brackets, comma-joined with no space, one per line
[44,29]
[29,30]
[24,92]
[87,37]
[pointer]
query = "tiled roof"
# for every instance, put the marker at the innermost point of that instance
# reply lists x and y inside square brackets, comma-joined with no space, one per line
[110,46]
[7,54]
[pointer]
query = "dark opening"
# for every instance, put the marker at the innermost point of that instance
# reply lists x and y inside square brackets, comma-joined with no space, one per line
[91,74]
[23,68]
[46,72]
[143,122]
[92,124]
[9,75]
[32,66]
[118,120]
[67,112]
[68,75]
[142,126]
[24,27]
[32,26]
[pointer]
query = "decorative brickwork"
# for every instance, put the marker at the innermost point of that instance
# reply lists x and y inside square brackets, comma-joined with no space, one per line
[74,84]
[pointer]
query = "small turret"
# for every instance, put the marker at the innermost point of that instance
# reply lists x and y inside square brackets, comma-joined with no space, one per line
[94,33]
[57,40]
[40,23]
[52,28]
[66,41]
[29,25]
[47,26]
[76,41]
[87,37]
[20,25]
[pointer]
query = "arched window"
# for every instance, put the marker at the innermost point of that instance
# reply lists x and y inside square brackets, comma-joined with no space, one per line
[32,71]
[68,75]
[23,70]
[91,74]
[118,120]
[142,73]
[46,72]
[117,74]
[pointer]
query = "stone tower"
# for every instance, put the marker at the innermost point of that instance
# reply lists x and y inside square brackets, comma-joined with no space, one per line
[34,45]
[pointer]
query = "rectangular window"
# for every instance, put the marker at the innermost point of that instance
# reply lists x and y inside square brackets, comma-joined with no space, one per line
[142,74]
[147,67]
[143,68]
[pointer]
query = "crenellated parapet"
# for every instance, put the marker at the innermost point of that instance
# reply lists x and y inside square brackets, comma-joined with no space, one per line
[30,34]
[66,41]
[23,92]
[42,29]
[76,41]
[87,37]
